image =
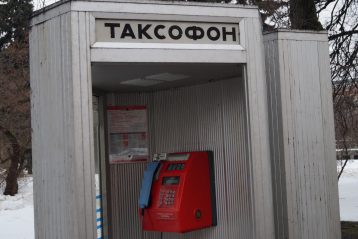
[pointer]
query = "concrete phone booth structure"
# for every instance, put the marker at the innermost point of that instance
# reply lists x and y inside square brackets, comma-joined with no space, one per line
[270,128]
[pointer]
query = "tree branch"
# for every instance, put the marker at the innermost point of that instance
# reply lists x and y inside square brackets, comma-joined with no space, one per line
[325,6]
[335,36]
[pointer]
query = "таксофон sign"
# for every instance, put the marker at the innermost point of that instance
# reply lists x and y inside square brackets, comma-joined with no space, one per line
[166,32]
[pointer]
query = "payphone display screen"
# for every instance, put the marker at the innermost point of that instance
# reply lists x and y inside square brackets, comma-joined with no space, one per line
[176,166]
[173,180]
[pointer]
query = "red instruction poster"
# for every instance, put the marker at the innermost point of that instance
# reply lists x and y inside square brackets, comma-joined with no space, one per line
[128,137]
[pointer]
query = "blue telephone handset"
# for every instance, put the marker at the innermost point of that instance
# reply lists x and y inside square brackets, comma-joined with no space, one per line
[147,182]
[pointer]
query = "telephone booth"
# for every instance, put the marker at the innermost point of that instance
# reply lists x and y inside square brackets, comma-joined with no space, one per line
[115,82]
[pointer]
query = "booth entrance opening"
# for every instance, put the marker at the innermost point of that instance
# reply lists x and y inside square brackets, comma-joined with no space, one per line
[188,107]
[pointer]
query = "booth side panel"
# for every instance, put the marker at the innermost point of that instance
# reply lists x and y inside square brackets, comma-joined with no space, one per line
[329,140]
[62,128]
[307,156]
[52,125]
[205,117]
[276,142]
[83,124]
[258,130]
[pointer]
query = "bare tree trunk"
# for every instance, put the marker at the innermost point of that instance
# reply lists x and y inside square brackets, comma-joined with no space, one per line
[12,187]
[303,15]
[342,168]
[11,178]
[345,147]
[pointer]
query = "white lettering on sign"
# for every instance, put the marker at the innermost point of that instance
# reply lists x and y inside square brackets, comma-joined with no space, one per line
[166,32]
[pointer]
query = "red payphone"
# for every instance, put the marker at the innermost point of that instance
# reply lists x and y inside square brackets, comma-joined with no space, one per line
[178,193]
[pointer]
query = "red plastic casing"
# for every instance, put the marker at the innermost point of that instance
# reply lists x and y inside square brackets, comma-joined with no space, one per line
[183,195]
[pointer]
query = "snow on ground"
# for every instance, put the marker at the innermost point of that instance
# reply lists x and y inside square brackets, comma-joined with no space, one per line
[348,192]
[17,212]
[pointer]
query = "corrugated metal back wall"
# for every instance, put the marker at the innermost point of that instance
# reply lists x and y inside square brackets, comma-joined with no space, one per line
[202,117]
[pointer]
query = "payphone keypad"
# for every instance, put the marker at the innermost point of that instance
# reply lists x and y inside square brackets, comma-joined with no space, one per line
[166,198]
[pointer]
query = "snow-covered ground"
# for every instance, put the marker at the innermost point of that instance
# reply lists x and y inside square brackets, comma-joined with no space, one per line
[17,215]
[348,192]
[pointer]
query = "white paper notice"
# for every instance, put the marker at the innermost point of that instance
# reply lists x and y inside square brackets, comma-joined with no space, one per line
[127,126]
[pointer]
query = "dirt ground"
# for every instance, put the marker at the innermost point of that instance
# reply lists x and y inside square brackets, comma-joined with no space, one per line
[349,230]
